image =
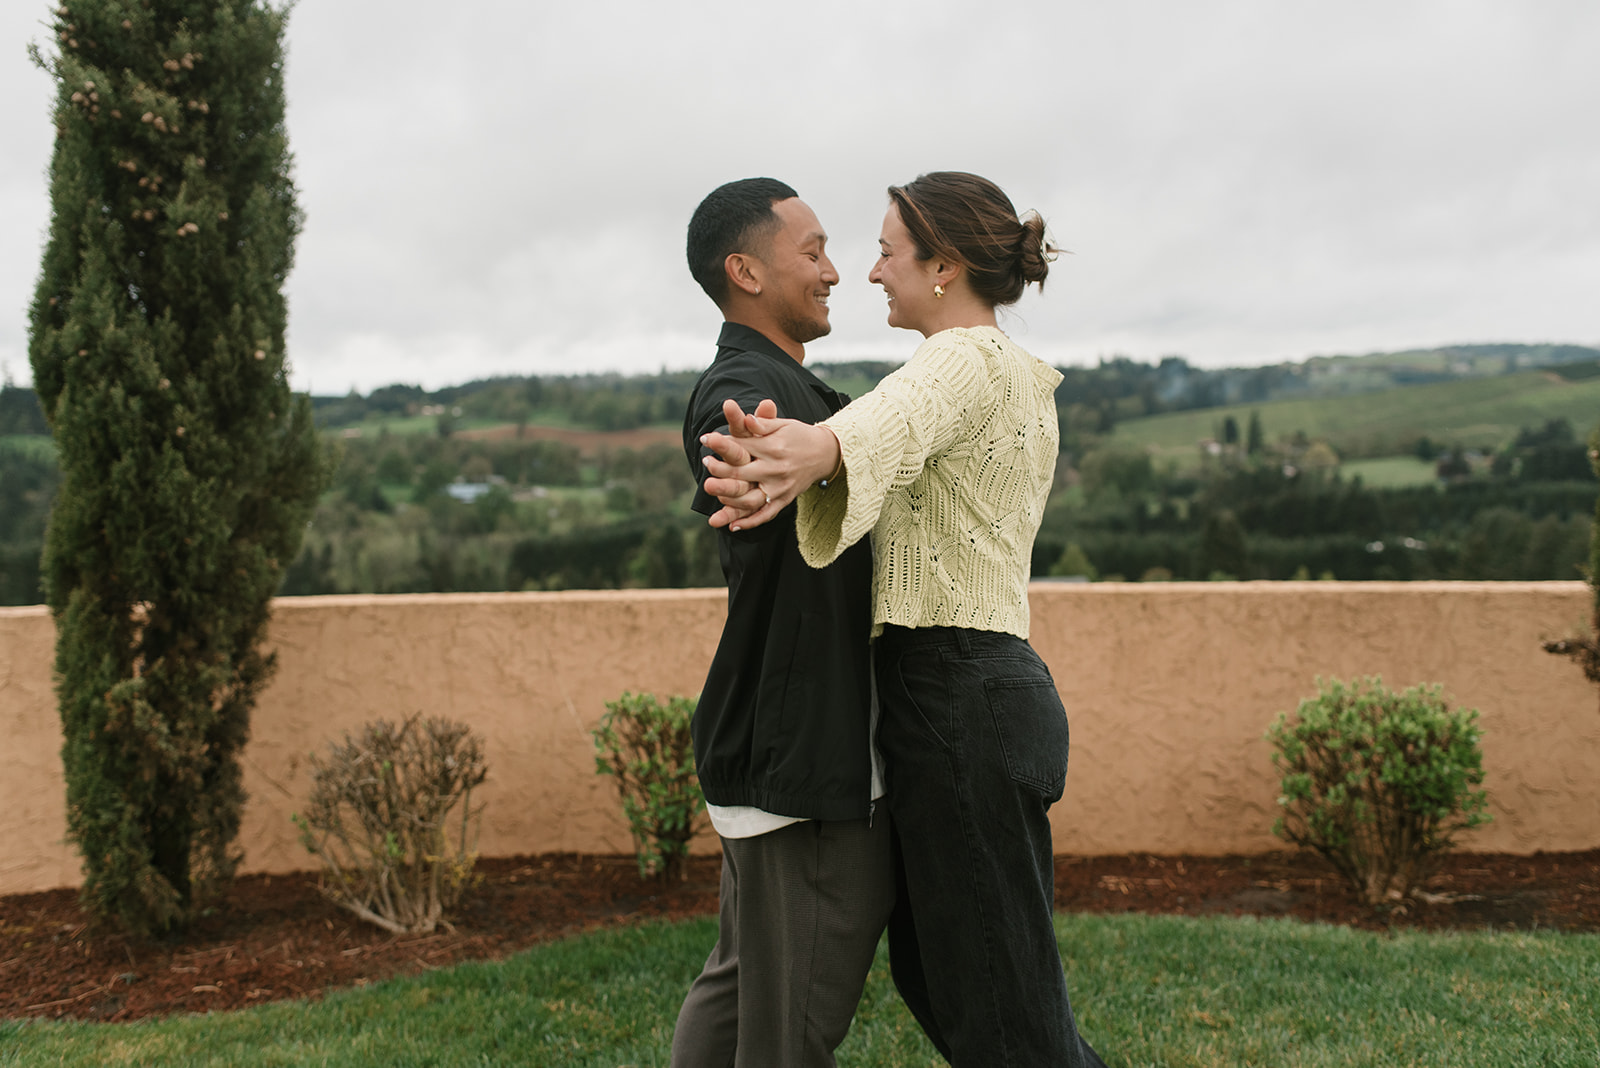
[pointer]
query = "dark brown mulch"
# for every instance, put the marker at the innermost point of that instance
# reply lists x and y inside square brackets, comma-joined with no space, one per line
[274,937]
[1471,891]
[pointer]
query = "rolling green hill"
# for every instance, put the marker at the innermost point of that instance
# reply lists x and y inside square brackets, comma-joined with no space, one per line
[1480,413]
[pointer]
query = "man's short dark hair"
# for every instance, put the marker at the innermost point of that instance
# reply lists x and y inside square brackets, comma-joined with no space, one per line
[734,218]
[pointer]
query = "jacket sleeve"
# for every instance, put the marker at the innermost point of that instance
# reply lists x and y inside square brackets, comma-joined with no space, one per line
[888,435]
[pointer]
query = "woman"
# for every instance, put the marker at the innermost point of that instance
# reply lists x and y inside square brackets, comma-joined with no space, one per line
[947,463]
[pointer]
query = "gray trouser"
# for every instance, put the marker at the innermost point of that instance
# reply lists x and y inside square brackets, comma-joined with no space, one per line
[801,911]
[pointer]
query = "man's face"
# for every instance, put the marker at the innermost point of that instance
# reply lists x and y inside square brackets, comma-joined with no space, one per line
[798,274]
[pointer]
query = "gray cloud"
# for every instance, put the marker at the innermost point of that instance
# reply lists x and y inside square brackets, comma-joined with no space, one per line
[501,188]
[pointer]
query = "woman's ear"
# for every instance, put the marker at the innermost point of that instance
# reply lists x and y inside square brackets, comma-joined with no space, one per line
[744,271]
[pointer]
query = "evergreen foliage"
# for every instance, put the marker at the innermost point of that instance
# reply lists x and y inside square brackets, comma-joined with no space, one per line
[1224,552]
[188,469]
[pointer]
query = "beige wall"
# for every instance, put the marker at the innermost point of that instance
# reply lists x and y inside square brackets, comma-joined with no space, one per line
[1168,688]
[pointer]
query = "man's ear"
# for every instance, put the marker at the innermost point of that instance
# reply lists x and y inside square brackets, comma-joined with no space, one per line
[744,272]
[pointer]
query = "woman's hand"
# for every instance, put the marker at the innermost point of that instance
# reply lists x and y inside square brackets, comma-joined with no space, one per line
[764,464]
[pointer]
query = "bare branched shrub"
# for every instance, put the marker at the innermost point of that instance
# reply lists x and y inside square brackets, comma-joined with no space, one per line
[383,808]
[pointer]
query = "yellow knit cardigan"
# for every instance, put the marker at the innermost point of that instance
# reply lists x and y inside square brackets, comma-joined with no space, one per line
[948,463]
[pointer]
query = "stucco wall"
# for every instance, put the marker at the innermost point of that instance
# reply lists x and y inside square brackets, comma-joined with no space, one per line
[1168,688]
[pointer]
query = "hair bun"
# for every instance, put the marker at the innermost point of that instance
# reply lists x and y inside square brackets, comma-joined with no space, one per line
[1034,251]
[968,220]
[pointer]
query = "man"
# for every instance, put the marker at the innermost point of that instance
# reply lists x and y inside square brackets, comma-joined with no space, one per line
[782,731]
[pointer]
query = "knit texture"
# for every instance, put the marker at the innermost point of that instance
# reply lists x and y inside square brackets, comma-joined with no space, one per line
[947,463]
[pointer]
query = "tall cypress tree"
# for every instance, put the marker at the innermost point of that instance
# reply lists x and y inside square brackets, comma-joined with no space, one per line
[1255,438]
[188,467]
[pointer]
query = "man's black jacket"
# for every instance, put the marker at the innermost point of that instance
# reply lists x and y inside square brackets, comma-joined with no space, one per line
[783,721]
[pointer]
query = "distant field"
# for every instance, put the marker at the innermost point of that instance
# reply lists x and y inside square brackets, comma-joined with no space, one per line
[374,425]
[854,385]
[1475,412]
[587,442]
[1390,471]
[41,446]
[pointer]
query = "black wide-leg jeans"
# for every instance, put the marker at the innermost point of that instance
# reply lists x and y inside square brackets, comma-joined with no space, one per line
[974,740]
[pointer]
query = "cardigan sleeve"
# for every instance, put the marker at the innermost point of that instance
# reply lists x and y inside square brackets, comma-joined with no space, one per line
[886,437]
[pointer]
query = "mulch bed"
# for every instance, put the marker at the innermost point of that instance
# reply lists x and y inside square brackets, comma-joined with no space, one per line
[274,937]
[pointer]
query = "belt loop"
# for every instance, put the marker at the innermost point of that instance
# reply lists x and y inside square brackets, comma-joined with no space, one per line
[963,641]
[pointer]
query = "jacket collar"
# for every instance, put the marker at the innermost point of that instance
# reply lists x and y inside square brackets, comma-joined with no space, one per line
[737,338]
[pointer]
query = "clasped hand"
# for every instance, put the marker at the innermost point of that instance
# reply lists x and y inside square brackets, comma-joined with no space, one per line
[763,463]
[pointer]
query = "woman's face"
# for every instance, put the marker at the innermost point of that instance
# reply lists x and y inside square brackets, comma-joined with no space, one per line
[906,280]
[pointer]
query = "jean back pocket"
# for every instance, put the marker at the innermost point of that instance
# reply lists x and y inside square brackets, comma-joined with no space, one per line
[1031,725]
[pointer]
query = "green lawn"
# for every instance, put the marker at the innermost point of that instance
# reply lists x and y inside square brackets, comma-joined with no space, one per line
[1482,412]
[1149,990]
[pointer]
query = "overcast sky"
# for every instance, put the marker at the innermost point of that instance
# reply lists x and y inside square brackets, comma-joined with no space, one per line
[501,187]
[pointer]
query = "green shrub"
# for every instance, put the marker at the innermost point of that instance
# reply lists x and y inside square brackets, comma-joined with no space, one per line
[1378,782]
[383,806]
[648,748]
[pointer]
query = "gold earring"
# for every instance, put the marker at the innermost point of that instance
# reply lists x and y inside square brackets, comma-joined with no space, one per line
[938,290]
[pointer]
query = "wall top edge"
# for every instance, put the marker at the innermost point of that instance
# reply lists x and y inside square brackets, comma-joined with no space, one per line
[1053,588]
[342,600]
[1283,588]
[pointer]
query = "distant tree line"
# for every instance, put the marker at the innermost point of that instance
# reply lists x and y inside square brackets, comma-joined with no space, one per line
[543,515]
[600,402]
[1275,516]
[422,513]
[20,412]
[28,483]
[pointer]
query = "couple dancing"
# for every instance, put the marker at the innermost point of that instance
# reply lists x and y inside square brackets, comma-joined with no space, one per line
[910,643]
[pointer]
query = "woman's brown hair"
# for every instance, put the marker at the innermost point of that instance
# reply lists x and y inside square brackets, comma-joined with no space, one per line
[969,220]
